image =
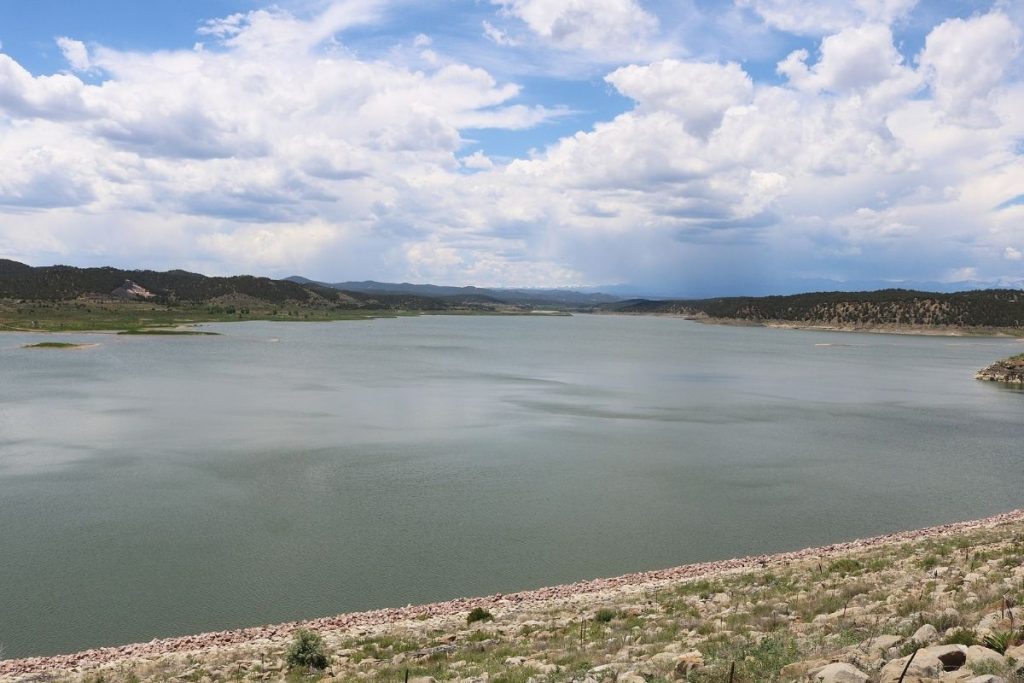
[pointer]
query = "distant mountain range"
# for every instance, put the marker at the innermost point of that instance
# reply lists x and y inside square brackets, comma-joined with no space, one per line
[994,308]
[561,298]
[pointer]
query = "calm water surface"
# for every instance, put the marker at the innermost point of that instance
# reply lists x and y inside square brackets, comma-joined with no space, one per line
[159,486]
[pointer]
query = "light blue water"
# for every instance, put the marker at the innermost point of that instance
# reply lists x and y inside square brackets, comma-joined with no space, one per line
[154,486]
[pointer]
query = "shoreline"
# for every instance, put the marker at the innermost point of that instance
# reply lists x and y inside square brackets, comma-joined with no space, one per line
[559,595]
[882,328]
[911,330]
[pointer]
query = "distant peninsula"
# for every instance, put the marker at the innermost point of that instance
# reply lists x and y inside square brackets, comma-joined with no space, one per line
[1008,371]
[983,312]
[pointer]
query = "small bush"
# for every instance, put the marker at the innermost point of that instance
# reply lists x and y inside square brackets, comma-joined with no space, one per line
[960,636]
[944,621]
[1000,641]
[845,566]
[986,668]
[604,615]
[307,649]
[478,614]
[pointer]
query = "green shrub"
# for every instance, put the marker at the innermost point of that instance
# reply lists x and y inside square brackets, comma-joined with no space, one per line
[960,636]
[944,621]
[478,614]
[1000,641]
[604,615]
[986,667]
[307,649]
[845,566]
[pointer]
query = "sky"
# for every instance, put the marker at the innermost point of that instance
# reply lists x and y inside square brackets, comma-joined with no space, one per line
[682,147]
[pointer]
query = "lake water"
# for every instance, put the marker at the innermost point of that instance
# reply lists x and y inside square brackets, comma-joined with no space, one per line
[154,486]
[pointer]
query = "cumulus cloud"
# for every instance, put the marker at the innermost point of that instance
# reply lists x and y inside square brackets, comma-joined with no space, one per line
[611,27]
[275,147]
[699,93]
[477,160]
[854,59]
[964,61]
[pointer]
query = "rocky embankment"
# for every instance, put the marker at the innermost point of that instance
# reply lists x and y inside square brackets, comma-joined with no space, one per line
[939,604]
[1009,371]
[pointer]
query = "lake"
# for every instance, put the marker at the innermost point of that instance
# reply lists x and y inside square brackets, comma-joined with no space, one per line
[155,486]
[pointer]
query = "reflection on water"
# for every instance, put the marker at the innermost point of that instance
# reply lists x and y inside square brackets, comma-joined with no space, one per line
[154,486]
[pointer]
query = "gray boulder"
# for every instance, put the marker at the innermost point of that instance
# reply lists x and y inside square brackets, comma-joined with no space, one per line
[840,673]
[925,635]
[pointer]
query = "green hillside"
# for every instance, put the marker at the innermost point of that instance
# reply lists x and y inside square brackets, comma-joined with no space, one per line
[990,308]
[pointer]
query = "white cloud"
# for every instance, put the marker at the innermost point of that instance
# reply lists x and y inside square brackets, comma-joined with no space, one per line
[815,18]
[498,36]
[276,30]
[477,160]
[55,97]
[963,274]
[75,52]
[699,93]
[853,59]
[619,27]
[277,148]
[964,61]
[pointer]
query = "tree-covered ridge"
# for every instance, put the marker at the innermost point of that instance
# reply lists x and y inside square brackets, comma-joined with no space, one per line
[981,308]
[63,283]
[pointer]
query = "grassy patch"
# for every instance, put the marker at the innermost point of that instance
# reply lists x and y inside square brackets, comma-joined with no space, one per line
[754,662]
[845,566]
[90,315]
[160,332]
[53,345]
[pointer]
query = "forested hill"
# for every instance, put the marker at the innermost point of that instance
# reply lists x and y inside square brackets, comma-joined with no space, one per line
[64,283]
[1003,308]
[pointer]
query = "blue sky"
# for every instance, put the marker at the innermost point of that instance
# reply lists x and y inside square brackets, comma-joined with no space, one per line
[691,148]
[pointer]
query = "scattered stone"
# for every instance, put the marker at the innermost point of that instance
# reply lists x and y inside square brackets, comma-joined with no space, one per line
[976,654]
[687,662]
[925,635]
[924,665]
[880,643]
[630,677]
[799,670]
[661,624]
[839,672]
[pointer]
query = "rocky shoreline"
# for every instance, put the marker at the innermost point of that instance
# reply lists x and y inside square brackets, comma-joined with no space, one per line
[875,328]
[443,625]
[826,326]
[1008,371]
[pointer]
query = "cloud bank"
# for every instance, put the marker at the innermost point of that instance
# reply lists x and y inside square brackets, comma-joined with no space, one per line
[274,146]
